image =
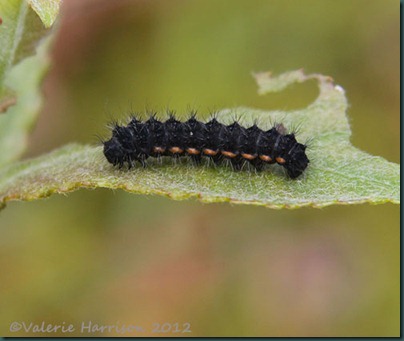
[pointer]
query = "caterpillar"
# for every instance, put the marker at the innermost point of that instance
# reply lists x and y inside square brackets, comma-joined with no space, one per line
[139,140]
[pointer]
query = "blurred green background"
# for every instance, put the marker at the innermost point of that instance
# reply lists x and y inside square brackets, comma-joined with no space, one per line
[116,258]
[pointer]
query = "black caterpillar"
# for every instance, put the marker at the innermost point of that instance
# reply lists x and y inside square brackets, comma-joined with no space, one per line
[152,138]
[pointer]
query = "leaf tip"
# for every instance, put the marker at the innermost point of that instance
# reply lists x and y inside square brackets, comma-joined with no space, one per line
[47,10]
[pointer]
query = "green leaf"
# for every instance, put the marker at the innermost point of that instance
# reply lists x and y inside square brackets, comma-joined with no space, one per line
[24,24]
[47,10]
[338,172]
[23,63]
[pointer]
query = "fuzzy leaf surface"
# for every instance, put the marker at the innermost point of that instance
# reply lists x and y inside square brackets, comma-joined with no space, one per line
[338,172]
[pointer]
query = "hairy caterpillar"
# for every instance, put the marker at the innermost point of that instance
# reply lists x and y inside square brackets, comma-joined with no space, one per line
[139,140]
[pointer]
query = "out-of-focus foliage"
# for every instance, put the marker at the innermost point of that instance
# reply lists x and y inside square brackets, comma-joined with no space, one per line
[22,66]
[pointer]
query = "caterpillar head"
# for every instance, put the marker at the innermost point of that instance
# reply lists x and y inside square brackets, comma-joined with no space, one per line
[296,161]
